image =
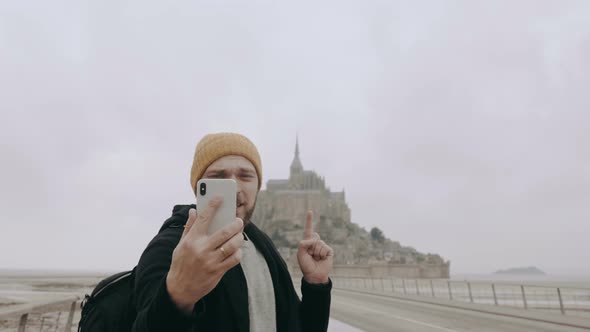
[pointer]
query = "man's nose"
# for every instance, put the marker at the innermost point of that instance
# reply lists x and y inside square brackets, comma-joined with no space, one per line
[239,186]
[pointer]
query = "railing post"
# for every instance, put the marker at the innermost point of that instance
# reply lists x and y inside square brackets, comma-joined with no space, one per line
[450,290]
[404,285]
[42,321]
[560,301]
[57,321]
[417,287]
[382,285]
[470,293]
[432,288]
[23,322]
[68,327]
[365,282]
[523,297]
[495,297]
[392,286]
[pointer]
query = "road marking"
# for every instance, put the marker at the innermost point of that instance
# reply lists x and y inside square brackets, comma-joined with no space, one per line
[398,317]
[338,326]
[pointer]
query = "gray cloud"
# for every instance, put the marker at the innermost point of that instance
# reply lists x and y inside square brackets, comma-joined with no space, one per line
[457,128]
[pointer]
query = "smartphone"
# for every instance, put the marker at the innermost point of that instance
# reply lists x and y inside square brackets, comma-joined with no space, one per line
[207,189]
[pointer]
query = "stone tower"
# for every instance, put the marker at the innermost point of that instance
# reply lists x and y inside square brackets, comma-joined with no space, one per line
[281,208]
[296,166]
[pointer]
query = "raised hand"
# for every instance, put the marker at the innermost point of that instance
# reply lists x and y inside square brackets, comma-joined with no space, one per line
[200,260]
[315,257]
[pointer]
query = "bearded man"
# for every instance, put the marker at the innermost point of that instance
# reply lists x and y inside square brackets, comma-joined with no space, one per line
[233,279]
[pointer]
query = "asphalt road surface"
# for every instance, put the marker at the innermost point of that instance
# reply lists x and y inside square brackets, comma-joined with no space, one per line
[377,313]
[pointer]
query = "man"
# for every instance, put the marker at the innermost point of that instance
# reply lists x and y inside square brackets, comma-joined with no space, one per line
[234,279]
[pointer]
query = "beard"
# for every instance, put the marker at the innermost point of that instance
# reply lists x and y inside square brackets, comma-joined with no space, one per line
[250,212]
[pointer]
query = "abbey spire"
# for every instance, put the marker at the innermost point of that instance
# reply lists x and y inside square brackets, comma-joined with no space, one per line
[296,166]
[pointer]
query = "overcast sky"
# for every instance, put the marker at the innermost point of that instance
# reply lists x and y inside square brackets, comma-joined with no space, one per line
[456,127]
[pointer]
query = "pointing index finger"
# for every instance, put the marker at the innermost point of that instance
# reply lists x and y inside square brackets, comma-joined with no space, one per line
[308,225]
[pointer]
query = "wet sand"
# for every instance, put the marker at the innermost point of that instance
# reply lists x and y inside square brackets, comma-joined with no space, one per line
[21,289]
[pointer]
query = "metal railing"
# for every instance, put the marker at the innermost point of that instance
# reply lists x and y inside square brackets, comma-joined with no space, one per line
[41,316]
[564,300]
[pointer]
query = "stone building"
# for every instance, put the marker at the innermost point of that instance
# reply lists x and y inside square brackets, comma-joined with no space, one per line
[280,212]
[281,208]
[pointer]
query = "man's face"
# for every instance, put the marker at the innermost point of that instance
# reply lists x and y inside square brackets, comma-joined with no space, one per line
[243,172]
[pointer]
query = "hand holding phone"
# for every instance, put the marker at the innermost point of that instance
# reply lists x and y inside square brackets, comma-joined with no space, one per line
[209,246]
[208,189]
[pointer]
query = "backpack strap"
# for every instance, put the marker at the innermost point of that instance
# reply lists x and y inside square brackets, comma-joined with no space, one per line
[178,218]
[104,284]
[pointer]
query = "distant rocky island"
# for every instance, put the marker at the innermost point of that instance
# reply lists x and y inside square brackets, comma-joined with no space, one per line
[531,270]
[280,212]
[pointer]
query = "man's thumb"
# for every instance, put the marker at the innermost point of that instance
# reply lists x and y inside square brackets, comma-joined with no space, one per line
[192,216]
[306,244]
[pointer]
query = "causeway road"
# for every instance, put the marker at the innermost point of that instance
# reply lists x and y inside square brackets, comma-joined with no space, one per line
[372,312]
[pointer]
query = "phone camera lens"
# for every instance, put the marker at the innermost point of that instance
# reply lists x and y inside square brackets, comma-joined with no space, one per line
[203,189]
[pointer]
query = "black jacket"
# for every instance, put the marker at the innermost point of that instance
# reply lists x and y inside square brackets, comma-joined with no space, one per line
[225,308]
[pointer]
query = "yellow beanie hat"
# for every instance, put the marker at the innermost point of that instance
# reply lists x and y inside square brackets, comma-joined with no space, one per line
[214,146]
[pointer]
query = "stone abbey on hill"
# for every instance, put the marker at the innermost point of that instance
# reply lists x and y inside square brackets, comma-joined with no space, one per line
[280,212]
